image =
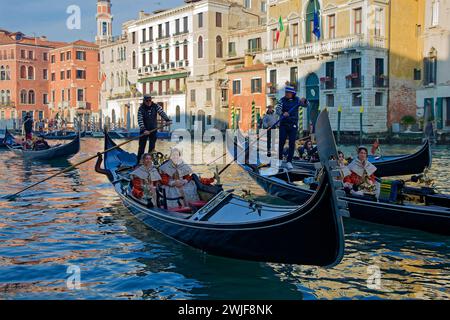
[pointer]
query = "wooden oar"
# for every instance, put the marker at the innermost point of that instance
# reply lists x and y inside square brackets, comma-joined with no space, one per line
[13,196]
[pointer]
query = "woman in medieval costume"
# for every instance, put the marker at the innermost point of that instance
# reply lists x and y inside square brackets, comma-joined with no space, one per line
[361,178]
[145,179]
[178,182]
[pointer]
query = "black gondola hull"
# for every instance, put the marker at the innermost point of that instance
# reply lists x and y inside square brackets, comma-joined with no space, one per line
[433,220]
[311,234]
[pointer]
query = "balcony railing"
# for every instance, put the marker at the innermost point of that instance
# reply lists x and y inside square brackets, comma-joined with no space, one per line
[328,46]
[8,104]
[380,82]
[355,82]
[81,105]
[328,84]
[179,33]
[253,50]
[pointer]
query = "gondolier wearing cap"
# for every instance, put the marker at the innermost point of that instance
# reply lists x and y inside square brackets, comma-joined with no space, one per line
[147,120]
[287,109]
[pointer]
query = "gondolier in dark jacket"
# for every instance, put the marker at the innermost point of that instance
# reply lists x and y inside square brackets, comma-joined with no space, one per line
[147,120]
[287,109]
[28,126]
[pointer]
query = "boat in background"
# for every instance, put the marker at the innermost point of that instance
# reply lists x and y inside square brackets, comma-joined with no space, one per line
[59,151]
[432,214]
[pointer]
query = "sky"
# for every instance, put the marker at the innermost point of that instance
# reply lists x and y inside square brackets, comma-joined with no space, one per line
[49,17]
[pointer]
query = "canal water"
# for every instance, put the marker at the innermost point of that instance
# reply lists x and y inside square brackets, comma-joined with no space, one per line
[77,222]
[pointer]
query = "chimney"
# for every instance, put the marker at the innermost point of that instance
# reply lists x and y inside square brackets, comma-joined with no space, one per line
[141,14]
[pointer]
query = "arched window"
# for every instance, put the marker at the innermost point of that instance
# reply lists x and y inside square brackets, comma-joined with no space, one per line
[8,97]
[134,60]
[8,73]
[178,114]
[112,80]
[219,47]
[122,80]
[2,97]
[30,73]
[31,97]
[23,96]
[23,72]
[2,73]
[126,78]
[200,47]
[118,78]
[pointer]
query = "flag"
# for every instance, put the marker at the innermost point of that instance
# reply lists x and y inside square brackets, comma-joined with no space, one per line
[316,30]
[103,79]
[287,36]
[280,28]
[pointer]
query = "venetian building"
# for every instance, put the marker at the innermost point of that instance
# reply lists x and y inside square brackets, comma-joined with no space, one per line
[120,94]
[339,55]
[433,96]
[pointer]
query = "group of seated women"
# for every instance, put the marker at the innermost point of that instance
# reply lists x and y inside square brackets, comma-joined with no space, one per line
[175,178]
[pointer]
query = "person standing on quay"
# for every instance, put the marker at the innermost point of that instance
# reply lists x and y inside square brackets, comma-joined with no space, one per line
[147,120]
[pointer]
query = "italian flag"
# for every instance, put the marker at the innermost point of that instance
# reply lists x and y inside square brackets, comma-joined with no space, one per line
[280,28]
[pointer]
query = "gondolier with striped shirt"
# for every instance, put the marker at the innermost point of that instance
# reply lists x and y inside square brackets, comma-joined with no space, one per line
[147,120]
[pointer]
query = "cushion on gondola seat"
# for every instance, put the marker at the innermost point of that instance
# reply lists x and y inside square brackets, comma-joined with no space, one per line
[181,210]
[197,204]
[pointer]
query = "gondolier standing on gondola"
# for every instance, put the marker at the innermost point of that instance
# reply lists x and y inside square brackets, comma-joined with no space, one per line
[28,126]
[147,120]
[287,109]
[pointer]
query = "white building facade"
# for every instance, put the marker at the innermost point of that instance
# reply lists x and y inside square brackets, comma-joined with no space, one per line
[433,98]
[345,69]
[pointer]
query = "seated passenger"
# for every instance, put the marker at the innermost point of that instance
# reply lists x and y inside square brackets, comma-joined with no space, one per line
[361,178]
[178,182]
[145,179]
[40,144]
[308,152]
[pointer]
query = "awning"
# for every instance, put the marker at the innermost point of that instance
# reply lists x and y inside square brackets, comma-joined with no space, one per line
[164,77]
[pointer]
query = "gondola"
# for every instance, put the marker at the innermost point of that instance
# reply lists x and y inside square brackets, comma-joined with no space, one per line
[64,151]
[61,135]
[431,215]
[6,139]
[387,166]
[230,226]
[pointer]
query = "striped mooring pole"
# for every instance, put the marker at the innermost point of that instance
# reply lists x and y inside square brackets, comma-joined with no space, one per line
[253,115]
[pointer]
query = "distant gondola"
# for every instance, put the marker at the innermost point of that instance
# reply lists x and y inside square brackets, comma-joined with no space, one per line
[387,166]
[6,139]
[432,215]
[64,151]
[61,135]
[230,226]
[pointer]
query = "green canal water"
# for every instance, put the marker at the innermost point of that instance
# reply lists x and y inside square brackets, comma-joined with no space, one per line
[78,220]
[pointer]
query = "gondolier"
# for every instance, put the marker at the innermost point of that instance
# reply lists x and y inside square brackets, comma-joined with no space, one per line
[28,126]
[147,120]
[287,109]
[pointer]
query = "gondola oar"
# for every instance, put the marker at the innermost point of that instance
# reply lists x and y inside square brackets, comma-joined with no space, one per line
[248,147]
[13,196]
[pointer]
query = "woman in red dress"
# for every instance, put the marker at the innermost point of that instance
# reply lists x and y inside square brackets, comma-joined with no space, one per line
[361,176]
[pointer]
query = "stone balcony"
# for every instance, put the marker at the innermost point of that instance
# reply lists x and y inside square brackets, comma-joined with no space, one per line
[324,47]
[163,67]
